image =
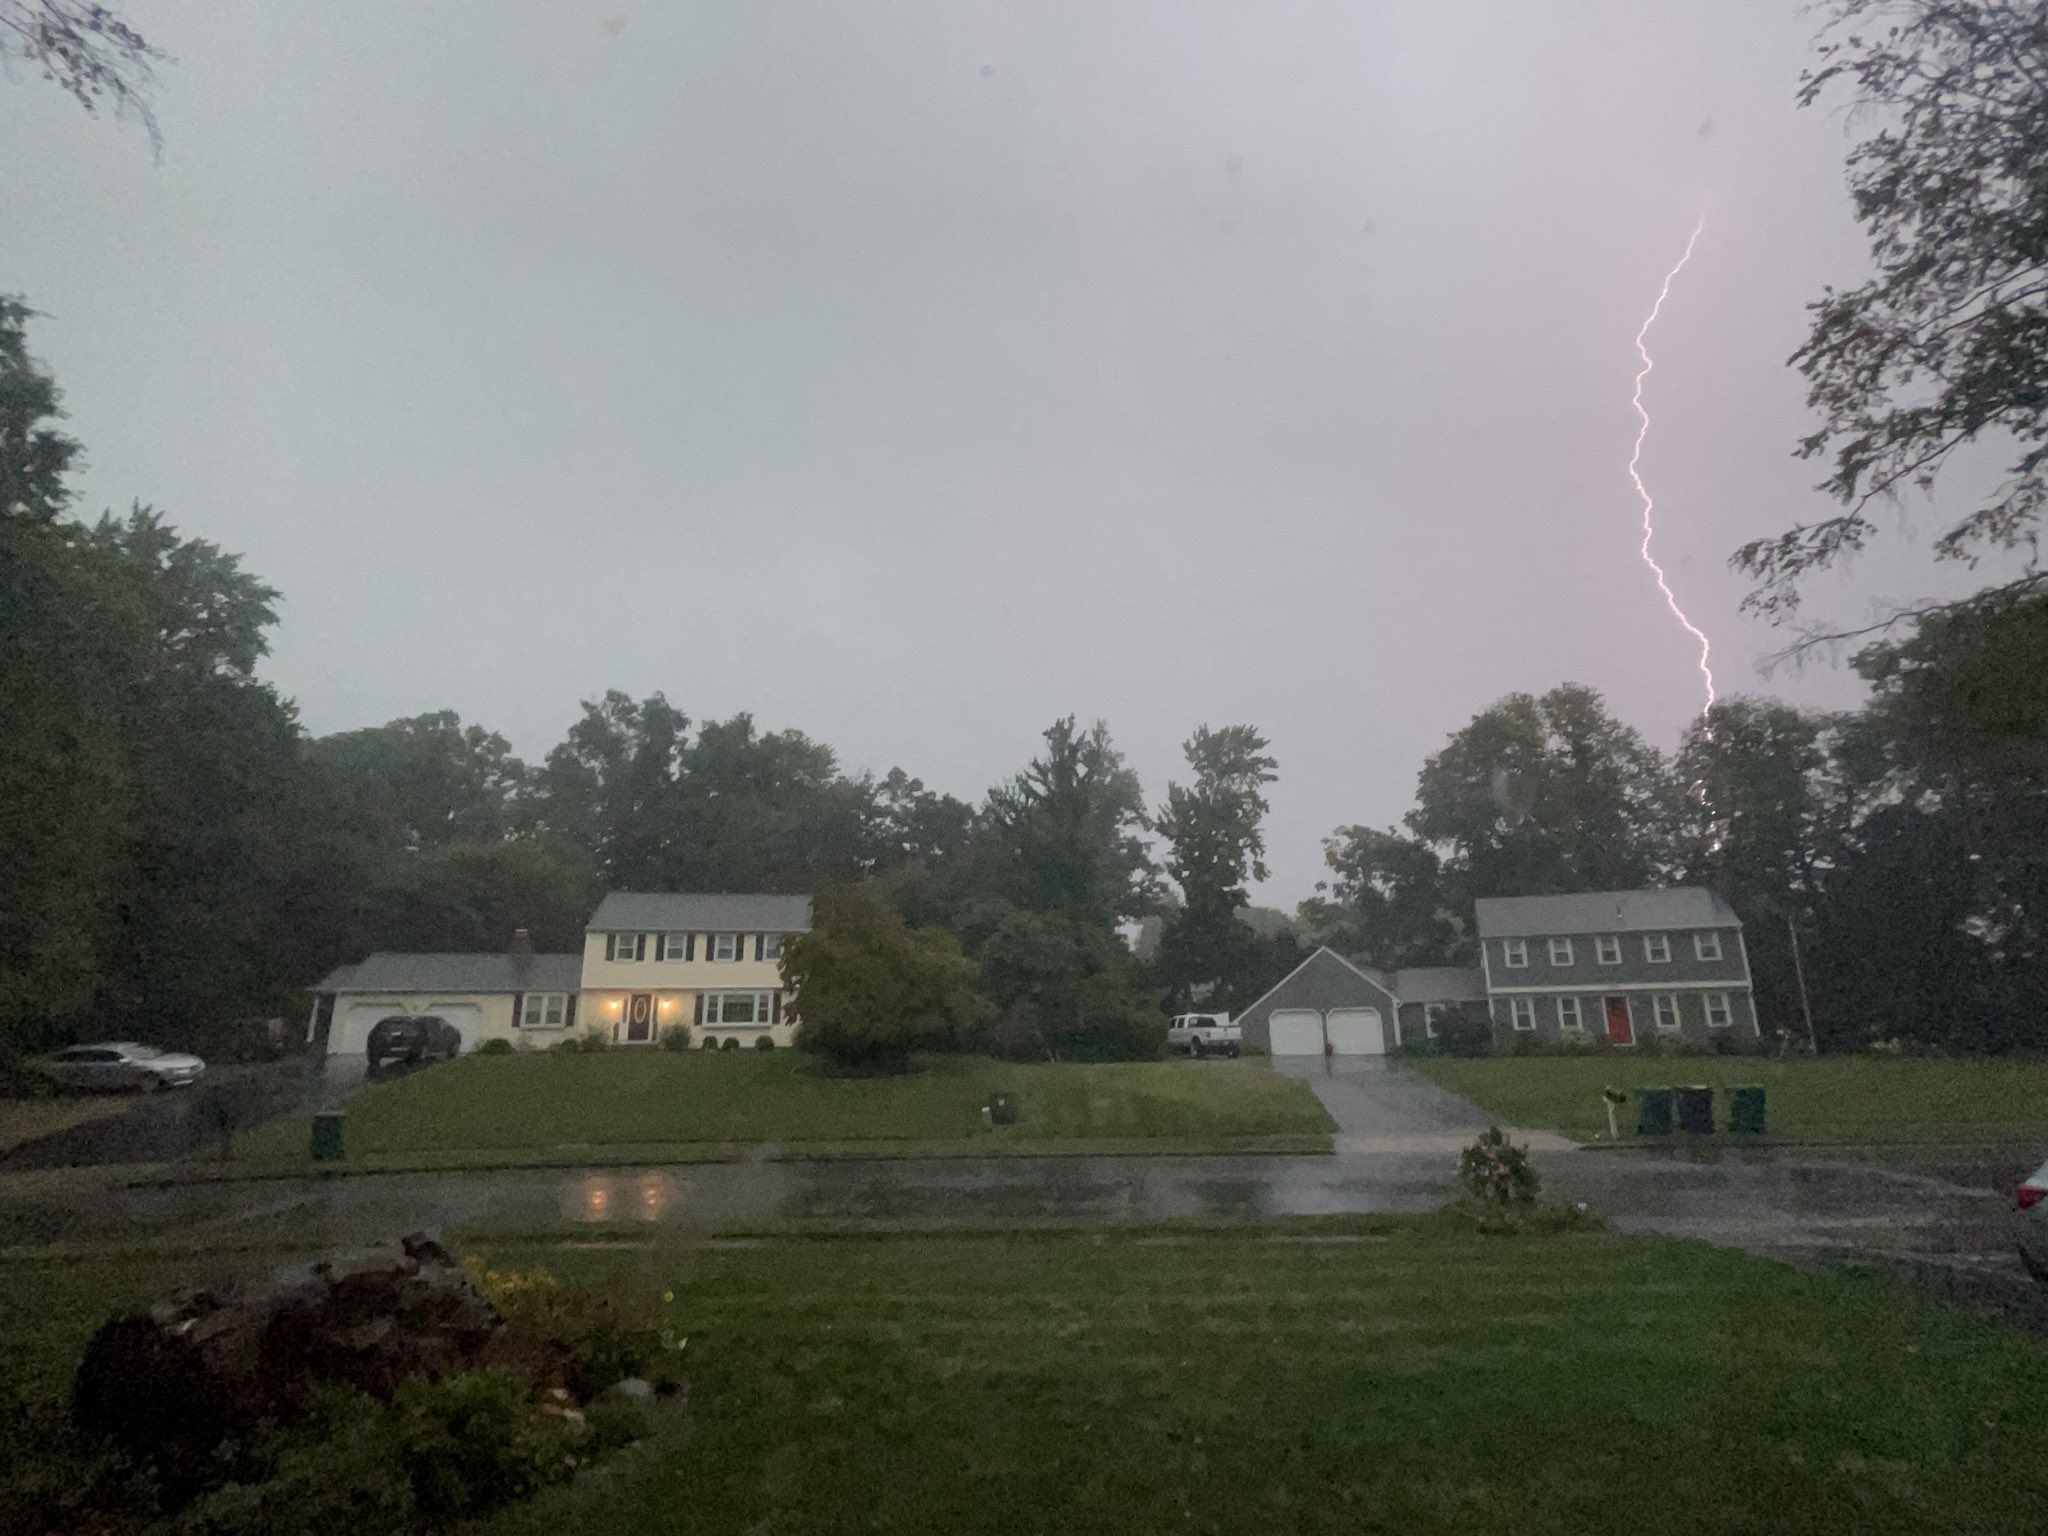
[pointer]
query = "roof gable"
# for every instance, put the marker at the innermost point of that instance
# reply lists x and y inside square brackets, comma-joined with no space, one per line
[1324,958]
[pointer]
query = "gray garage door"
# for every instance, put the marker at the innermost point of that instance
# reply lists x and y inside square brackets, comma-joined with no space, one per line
[1357,1032]
[1295,1032]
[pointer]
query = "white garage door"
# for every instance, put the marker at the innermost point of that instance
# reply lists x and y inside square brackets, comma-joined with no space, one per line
[350,1035]
[1295,1032]
[1357,1032]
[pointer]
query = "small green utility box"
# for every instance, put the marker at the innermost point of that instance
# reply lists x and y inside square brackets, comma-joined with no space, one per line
[327,1136]
[1695,1110]
[1746,1111]
[1655,1116]
[1002,1109]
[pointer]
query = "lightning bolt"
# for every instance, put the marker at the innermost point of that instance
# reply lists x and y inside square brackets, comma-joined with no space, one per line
[1635,458]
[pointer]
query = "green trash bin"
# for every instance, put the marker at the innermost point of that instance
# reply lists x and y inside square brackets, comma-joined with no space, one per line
[327,1136]
[1695,1110]
[1002,1109]
[1654,1118]
[1746,1111]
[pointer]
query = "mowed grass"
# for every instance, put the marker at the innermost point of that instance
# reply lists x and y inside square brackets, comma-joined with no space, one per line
[644,1099]
[1840,1099]
[1413,1378]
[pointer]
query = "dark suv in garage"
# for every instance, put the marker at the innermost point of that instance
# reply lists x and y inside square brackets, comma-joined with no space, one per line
[411,1041]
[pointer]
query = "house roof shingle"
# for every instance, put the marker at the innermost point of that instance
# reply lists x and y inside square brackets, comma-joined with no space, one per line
[1440,984]
[390,971]
[701,912]
[1688,906]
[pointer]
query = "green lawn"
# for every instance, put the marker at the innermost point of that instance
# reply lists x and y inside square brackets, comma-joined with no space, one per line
[1415,1379]
[1842,1099]
[546,1106]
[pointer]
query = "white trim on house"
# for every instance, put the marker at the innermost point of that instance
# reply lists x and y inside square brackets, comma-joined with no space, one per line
[1657,1002]
[1577,1021]
[1726,1008]
[1650,956]
[1509,948]
[1570,954]
[1607,949]
[1515,1014]
[535,1008]
[1699,944]
[1630,986]
[714,943]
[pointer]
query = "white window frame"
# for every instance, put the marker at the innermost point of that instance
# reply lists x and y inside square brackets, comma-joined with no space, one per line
[675,946]
[723,946]
[1659,1002]
[1431,1012]
[771,946]
[1514,954]
[1701,941]
[1719,1003]
[1577,1021]
[1561,945]
[625,952]
[1607,949]
[763,1009]
[1522,1013]
[535,1007]
[1657,948]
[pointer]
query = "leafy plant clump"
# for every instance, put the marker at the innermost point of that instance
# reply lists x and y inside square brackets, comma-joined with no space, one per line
[1496,1172]
[676,1037]
[499,1047]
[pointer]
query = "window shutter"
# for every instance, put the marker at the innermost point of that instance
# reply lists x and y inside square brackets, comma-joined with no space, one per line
[518,1010]
[700,1007]
[760,946]
[689,946]
[661,946]
[569,1012]
[611,946]
[775,1008]
[639,946]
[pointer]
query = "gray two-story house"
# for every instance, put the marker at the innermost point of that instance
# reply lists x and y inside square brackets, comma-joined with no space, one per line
[1623,965]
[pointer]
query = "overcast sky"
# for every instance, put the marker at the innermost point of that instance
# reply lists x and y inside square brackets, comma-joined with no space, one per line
[912,374]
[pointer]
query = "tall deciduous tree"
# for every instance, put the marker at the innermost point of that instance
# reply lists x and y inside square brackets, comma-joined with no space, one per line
[1214,830]
[1538,796]
[423,782]
[1389,901]
[1947,345]
[870,990]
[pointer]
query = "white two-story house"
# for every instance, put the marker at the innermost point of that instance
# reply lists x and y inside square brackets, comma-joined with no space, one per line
[652,961]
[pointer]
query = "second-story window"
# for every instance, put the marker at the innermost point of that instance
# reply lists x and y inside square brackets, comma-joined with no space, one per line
[1515,952]
[1607,949]
[625,946]
[1657,948]
[771,946]
[678,946]
[1560,951]
[725,946]
[1706,946]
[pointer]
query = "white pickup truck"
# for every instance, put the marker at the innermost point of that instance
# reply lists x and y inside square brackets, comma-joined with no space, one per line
[1205,1034]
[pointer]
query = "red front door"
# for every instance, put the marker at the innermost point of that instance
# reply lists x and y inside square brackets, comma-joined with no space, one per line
[1619,1029]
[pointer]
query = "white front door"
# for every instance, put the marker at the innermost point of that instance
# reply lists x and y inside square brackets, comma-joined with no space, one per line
[1295,1032]
[1357,1032]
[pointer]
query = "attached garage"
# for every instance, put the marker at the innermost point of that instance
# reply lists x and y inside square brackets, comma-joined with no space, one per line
[1325,999]
[1296,1032]
[481,995]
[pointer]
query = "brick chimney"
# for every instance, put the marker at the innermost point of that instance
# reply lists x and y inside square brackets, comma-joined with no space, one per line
[522,942]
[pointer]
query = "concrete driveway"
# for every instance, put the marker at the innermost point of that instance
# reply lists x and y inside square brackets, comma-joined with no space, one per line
[1382,1108]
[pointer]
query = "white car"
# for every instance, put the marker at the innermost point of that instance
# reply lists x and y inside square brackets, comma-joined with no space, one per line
[121,1064]
[2032,1199]
[1205,1034]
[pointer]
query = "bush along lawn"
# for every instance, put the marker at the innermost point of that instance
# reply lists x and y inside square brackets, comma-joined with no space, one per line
[394,1394]
[521,1106]
[1829,1099]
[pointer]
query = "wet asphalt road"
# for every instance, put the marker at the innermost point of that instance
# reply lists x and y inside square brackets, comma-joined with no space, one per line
[1939,1218]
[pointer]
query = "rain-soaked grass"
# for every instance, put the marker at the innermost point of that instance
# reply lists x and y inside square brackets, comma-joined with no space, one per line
[1408,1375]
[642,1099]
[1831,1099]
